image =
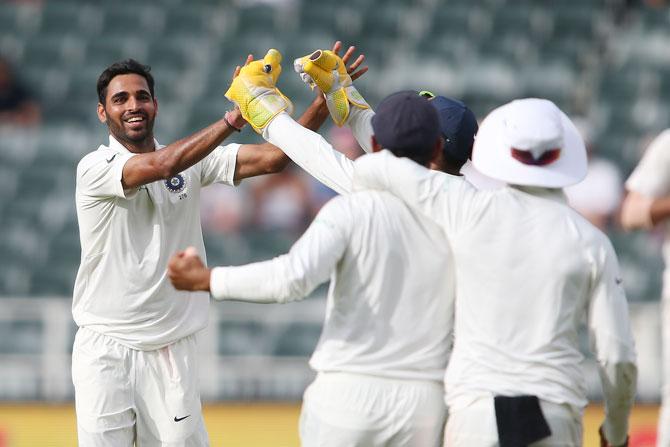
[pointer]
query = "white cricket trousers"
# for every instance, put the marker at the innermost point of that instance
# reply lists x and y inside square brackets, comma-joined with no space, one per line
[357,410]
[125,397]
[664,417]
[475,425]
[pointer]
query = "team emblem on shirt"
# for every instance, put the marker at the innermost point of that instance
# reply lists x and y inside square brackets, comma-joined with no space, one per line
[176,184]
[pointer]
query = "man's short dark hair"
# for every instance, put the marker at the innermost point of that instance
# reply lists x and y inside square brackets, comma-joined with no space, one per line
[127,66]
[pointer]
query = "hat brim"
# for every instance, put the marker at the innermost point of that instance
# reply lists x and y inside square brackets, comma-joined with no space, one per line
[492,156]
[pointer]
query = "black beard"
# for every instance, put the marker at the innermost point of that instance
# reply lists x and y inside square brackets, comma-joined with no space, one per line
[119,133]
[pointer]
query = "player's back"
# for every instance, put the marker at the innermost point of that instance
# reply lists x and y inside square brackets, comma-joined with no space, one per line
[390,303]
[525,272]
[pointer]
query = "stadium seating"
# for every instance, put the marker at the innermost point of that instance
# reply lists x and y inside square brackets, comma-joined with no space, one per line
[576,53]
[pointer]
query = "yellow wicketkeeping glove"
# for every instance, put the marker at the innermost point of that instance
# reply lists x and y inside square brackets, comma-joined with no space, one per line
[254,91]
[325,69]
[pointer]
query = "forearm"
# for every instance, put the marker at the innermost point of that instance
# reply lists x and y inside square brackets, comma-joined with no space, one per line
[274,159]
[286,278]
[316,114]
[619,384]
[660,210]
[360,123]
[292,276]
[188,151]
[268,158]
[260,282]
[311,152]
[176,157]
[643,212]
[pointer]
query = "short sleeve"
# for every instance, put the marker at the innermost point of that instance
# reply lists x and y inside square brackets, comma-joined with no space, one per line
[99,175]
[219,166]
[651,177]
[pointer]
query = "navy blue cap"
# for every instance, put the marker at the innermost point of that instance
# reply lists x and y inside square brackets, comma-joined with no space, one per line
[458,126]
[407,124]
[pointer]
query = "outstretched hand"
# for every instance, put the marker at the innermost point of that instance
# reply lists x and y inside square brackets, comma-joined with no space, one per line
[351,69]
[187,271]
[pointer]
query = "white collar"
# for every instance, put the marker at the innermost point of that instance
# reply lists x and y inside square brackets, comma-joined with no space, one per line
[118,147]
[555,194]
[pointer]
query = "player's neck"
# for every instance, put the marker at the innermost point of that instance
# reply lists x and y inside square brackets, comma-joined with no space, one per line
[138,147]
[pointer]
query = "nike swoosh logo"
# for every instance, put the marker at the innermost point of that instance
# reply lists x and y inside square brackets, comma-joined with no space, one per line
[176,419]
[112,158]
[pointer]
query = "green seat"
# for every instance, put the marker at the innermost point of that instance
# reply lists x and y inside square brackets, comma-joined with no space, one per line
[574,21]
[21,337]
[192,21]
[253,20]
[54,280]
[298,339]
[43,53]
[641,264]
[243,338]
[62,18]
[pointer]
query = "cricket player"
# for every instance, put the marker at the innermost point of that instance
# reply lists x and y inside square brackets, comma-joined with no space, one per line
[646,205]
[528,268]
[386,337]
[134,362]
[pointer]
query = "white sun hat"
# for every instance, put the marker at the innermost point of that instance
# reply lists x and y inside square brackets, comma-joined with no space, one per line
[530,142]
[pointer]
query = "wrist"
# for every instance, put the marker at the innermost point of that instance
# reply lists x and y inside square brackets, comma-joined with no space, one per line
[234,120]
[206,277]
[319,98]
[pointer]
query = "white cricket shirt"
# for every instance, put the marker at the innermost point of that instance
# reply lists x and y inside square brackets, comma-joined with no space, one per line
[390,303]
[529,269]
[127,237]
[651,178]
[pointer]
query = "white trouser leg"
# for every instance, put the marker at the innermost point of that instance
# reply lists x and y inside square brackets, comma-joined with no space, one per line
[359,410]
[101,374]
[126,397]
[169,413]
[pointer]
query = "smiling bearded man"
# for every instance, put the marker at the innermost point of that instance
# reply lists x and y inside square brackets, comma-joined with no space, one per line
[134,365]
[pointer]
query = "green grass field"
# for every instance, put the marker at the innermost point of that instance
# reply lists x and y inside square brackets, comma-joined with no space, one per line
[241,425]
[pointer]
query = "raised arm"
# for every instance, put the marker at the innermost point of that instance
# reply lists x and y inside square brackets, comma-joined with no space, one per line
[311,152]
[258,98]
[162,164]
[360,123]
[613,345]
[289,277]
[266,158]
[325,70]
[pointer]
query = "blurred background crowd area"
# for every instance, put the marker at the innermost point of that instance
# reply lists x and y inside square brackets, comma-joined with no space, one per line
[604,62]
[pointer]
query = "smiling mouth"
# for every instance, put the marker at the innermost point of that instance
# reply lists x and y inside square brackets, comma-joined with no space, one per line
[135,121]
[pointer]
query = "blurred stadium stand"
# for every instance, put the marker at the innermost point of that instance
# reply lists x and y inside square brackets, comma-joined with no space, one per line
[594,58]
